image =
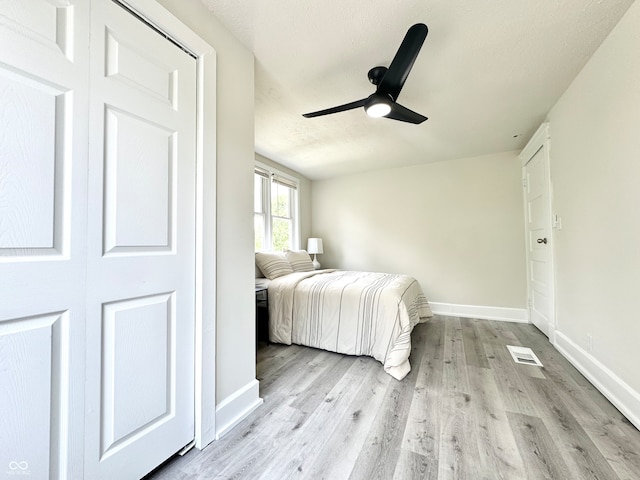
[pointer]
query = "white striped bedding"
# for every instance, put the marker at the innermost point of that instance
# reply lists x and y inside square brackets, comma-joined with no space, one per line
[356,313]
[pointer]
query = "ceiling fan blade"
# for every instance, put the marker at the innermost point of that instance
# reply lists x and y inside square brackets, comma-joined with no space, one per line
[398,112]
[393,80]
[340,108]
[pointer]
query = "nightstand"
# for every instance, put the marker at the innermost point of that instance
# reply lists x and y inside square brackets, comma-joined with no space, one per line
[262,315]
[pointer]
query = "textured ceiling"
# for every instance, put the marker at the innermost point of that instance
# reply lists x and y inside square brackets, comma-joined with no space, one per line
[487,71]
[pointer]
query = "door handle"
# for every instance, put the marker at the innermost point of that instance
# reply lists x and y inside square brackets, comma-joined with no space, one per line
[542,240]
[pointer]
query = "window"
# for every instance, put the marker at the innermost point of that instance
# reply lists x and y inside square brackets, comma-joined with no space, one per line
[275,210]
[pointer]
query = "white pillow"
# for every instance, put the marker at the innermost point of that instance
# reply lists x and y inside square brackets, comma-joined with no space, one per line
[300,260]
[273,264]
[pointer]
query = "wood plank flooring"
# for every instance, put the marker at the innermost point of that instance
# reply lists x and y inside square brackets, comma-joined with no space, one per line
[466,411]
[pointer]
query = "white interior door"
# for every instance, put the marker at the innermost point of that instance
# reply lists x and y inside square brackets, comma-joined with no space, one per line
[141,247]
[538,230]
[43,132]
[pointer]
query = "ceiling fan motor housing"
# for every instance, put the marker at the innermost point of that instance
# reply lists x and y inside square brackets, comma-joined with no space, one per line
[376,74]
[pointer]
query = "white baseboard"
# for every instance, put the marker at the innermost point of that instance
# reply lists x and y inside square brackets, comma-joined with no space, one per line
[236,407]
[621,395]
[520,315]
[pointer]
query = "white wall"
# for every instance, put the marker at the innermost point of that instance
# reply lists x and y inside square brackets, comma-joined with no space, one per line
[595,168]
[456,226]
[235,349]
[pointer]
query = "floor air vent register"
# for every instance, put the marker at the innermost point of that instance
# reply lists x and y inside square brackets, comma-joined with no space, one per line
[524,355]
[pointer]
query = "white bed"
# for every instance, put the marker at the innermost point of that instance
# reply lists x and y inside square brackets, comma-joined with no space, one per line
[355,313]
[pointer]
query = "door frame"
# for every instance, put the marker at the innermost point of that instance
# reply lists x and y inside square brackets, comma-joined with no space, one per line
[205,282]
[541,140]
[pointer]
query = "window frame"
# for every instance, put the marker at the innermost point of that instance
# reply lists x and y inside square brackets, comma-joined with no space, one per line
[272,175]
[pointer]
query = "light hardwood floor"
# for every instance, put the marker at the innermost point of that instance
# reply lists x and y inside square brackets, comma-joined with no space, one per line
[466,411]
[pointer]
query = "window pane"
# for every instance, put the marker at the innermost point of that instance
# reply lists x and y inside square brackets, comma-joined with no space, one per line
[282,234]
[280,200]
[275,206]
[258,227]
[258,193]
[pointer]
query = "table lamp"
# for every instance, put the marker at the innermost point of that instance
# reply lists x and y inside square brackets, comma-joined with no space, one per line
[314,246]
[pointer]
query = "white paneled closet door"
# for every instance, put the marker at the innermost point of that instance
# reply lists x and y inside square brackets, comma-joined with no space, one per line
[97,242]
[141,247]
[43,154]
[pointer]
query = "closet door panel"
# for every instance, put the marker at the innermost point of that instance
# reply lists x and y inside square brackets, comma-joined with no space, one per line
[43,172]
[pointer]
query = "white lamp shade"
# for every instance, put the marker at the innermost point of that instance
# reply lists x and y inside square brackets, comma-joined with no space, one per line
[314,245]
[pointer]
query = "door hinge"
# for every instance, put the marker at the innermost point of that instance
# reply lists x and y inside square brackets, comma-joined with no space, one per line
[524,183]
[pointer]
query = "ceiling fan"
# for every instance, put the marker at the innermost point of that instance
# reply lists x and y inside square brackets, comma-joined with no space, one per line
[389,83]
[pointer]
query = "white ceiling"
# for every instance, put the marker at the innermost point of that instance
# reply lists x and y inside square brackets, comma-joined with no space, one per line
[487,71]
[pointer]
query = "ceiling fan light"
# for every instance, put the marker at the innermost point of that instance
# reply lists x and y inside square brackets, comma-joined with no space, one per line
[379,109]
